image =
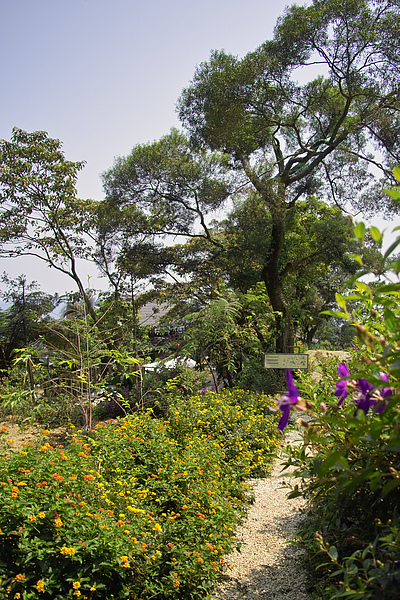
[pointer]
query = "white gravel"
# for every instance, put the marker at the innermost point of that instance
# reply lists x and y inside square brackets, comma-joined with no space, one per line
[268,567]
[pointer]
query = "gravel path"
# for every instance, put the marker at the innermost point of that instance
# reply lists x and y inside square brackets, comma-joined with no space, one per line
[268,567]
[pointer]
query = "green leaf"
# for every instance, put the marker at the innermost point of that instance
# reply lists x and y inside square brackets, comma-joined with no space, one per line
[388,288]
[391,485]
[359,231]
[393,193]
[333,553]
[335,313]
[377,236]
[391,321]
[391,248]
[357,258]
[356,276]
[335,458]
[396,173]
[363,287]
[341,301]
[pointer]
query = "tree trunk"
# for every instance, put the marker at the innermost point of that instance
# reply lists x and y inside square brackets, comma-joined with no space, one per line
[271,272]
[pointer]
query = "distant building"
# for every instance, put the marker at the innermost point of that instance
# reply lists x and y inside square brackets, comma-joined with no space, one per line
[151,313]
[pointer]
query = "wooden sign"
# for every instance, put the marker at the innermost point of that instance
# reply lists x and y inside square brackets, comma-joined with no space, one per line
[286,361]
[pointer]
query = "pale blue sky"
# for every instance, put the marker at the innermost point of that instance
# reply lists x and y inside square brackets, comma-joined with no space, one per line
[104,75]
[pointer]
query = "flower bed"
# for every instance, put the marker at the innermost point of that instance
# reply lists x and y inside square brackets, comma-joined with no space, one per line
[142,508]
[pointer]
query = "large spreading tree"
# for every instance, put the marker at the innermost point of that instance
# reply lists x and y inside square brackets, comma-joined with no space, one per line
[251,125]
[290,140]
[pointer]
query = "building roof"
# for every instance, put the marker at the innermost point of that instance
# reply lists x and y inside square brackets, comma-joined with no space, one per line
[151,313]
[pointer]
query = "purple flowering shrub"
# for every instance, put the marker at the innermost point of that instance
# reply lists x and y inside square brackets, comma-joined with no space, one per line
[349,463]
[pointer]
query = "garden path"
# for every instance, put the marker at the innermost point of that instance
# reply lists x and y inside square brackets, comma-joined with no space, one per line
[268,567]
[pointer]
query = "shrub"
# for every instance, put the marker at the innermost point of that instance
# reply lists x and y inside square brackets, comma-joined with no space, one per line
[349,464]
[140,508]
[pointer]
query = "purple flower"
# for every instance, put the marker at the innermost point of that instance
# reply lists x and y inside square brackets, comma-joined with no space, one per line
[363,400]
[370,397]
[387,391]
[287,400]
[341,387]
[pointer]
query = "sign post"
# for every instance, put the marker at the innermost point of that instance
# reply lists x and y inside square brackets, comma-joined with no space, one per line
[286,361]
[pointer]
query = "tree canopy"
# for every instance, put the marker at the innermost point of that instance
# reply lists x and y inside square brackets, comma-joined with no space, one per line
[280,142]
[252,125]
[40,212]
[291,140]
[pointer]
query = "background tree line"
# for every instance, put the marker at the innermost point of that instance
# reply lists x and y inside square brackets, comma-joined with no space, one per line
[282,160]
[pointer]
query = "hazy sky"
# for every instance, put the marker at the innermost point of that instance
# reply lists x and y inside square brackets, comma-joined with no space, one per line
[104,75]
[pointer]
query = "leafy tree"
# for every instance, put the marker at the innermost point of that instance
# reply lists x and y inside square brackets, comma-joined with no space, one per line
[289,140]
[160,191]
[168,185]
[20,322]
[227,331]
[318,240]
[40,213]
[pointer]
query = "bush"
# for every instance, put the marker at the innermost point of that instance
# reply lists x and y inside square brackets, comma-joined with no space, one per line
[140,508]
[349,464]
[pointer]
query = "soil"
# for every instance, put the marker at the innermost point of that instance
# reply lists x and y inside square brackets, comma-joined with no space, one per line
[27,434]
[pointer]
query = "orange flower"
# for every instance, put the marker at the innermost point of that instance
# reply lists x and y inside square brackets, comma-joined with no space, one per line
[67,551]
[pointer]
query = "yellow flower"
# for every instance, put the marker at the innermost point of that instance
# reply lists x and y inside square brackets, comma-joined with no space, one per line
[41,515]
[76,585]
[58,522]
[40,586]
[19,577]
[32,518]
[157,527]
[67,551]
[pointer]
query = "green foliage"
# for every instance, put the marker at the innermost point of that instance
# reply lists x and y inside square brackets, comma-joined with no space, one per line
[20,321]
[240,421]
[128,392]
[55,380]
[289,141]
[227,330]
[162,187]
[141,508]
[349,464]
[40,213]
